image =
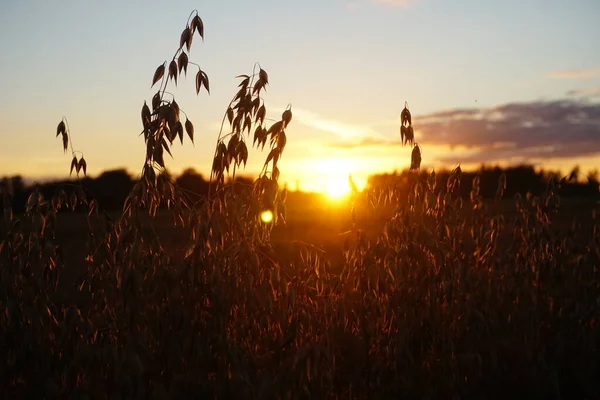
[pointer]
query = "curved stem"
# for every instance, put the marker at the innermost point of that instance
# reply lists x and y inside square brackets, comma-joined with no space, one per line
[69,135]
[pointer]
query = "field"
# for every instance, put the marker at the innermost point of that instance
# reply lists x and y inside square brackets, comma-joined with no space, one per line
[427,320]
[406,290]
[311,218]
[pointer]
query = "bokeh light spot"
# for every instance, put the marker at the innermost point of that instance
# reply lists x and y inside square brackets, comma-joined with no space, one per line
[266,216]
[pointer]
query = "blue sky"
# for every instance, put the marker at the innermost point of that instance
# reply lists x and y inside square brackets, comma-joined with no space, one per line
[346,66]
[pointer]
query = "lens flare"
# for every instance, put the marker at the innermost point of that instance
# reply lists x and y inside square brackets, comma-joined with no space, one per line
[266,216]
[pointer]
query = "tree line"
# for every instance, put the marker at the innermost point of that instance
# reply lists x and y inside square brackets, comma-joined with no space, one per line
[111,187]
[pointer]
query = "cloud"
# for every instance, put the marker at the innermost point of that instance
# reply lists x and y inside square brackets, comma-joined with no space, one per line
[342,130]
[395,3]
[575,74]
[531,132]
[516,132]
[366,142]
[587,92]
[357,4]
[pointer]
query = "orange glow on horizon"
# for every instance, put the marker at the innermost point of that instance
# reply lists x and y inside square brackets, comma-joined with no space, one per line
[330,177]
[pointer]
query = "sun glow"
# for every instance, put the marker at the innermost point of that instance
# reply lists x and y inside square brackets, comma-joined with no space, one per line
[333,177]
[337,187]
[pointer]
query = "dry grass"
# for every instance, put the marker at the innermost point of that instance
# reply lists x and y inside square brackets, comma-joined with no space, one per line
[430,296]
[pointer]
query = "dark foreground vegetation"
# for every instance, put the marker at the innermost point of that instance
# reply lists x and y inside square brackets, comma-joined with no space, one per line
[441,289]
[111,188]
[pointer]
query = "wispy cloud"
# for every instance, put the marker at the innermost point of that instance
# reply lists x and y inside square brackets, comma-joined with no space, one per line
[366,142]
[587,92]
[356,4]
[575,74]
[395,3]
[342,130]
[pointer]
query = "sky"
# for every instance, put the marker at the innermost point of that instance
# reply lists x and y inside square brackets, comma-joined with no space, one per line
[496,82]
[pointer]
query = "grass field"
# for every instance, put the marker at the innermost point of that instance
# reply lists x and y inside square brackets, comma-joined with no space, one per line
[415,300]
[415,290]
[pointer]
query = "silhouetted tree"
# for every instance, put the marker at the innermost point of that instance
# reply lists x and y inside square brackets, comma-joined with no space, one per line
[193,185]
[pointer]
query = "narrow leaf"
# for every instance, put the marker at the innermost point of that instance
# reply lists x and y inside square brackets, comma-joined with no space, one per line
[205,81]
[275,128]
[74,165]
[183,62]
[198,25]
[156,101]
[83,166]
[189,128]
[179,131]
[65,141]
[198,82]
[175,108]
[145,115]
[185,37]
[60,128]
[173,71]
[166,146]
[158,74]
[262,75]
[286,117]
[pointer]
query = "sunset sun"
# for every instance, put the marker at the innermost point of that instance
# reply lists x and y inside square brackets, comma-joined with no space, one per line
[333,177]
[337,187]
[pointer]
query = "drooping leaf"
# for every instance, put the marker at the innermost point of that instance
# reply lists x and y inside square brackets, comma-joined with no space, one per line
[273,155]
[258,86]
[65,141]
[145,115]
[261,114]
[83,166]
[189,128]
[173,71]
[247,124]
[157,155]
[243,152]
[150,148]
[156,101]
[198,82]
[410,135]
[158,74]
[415,158]
[166,146]
[286,117]
[198,25]
[405,116]
[175,108]
[275,128]
[281,140]
[183,60]
[185,38]
[263,76]
[60,128]
[179,131]
[403,134]
[74,165]
[205,81]
[257,134]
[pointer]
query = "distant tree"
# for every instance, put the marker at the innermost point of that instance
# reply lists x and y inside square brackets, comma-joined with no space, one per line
[520,179]
[193,184]
[110,189]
